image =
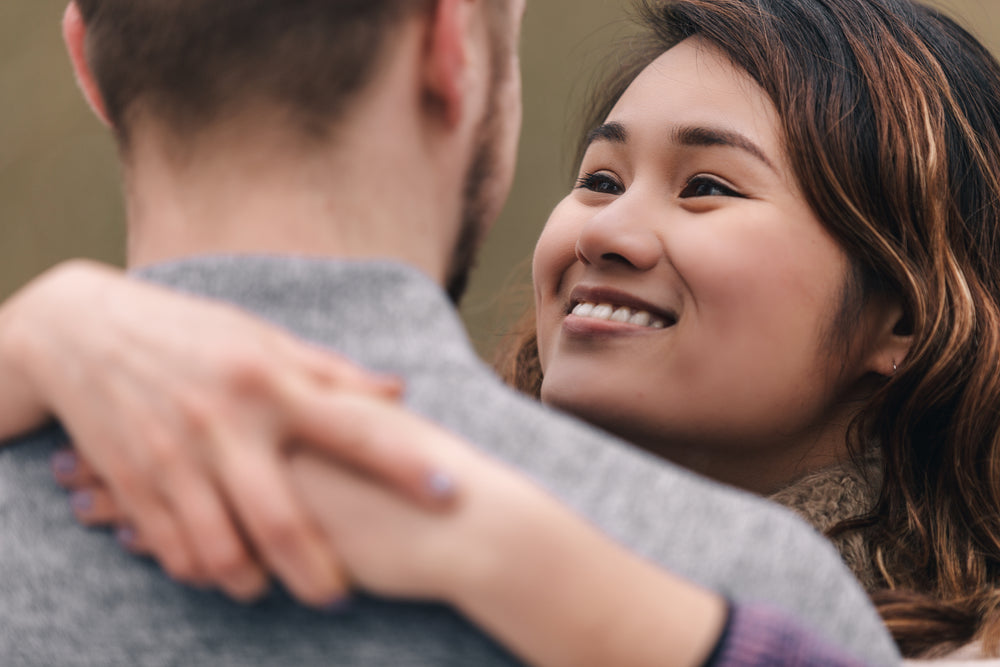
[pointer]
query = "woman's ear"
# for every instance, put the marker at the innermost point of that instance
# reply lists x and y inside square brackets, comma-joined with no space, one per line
[75,36]
[447,57]
[892,336]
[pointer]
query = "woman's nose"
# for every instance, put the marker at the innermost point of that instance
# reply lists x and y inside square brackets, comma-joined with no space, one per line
[618,236]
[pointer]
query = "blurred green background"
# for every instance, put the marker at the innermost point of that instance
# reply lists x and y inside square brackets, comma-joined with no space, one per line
[59,193]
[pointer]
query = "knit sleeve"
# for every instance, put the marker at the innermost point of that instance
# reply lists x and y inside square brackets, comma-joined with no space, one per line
[758,636]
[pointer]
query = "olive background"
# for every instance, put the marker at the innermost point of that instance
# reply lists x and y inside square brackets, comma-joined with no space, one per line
[59,183]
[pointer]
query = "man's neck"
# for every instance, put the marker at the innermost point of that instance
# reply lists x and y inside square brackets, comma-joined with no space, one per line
[247,190]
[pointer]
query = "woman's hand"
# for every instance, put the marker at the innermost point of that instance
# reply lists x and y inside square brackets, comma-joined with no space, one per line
[361,501]
[392,547]
[186,410]
[525,569]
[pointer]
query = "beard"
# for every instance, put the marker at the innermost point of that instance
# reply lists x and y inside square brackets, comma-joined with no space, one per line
[476,205]
[477,200]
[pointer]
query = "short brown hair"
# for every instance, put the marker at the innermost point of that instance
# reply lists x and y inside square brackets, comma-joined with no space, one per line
[189,62]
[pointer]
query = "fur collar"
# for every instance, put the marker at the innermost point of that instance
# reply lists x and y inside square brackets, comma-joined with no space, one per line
[826,497]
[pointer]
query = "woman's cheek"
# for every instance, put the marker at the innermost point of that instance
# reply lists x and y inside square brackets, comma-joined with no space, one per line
[555,255]
[556,247]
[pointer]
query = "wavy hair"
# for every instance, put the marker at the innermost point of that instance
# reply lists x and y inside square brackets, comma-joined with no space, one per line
[891,119]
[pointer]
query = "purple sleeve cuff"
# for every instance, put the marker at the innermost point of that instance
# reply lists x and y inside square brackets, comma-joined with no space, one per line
[756,635]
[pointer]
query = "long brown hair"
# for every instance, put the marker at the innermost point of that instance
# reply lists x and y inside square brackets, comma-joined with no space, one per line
[891,119]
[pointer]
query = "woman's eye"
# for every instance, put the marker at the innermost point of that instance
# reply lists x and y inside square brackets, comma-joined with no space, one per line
[705,186]
[601,183]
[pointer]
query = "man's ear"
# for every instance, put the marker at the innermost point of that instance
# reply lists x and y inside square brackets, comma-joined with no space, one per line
[892,337]
[75,36]
[447,57]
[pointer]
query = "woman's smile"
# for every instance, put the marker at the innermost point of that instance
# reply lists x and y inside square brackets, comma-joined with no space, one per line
[684,287]
[606,311]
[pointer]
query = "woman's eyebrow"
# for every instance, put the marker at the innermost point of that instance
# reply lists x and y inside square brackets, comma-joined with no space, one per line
[713,136]
[689,135]
[613,132]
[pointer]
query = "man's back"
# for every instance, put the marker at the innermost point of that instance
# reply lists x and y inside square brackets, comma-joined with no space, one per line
[72,597]
[64,583]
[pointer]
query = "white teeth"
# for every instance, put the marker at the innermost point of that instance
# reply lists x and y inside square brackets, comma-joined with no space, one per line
[642,319]
[621,314]
[602,312]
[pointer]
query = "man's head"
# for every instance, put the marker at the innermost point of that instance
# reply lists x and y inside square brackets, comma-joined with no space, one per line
[191,63]
[190,67]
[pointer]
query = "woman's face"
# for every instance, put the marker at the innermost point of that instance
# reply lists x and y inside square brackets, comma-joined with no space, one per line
[686,293]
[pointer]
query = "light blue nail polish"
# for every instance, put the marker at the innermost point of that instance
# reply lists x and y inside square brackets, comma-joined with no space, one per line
[441,485]
[64,463]
[82,501]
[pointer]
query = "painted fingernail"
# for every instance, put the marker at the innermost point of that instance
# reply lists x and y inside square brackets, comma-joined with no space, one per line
[64,463]
[441,485]
[339,606]
[82,501]
[126,536]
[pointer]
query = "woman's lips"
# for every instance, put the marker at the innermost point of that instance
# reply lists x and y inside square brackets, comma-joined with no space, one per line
[604,312]
[619,314]
[604,304]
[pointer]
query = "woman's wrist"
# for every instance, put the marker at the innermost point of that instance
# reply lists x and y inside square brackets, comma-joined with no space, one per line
[501,511]
[557,592]
[33,333]
[21,406]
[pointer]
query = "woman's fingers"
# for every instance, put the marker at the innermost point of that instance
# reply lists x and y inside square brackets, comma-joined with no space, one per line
[131,540]
[334,371]
[372,437]
[283,533]
[221,557]
[164,538]
[94,506]
[71,470]
[206,507]
[224,558]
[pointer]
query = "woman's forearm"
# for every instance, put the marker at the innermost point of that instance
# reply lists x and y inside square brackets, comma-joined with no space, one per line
[558,593]
[529,572]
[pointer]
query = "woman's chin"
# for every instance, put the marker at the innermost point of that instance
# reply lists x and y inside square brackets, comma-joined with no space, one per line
[590,404]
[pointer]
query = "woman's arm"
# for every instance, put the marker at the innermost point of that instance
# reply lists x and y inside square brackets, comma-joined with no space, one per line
[573,597]
[100,351]
[186,409]
[541,581]
[531,573]
[158,414]
[528,571]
